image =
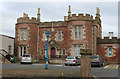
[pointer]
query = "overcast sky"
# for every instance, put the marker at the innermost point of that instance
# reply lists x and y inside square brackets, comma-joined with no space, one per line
[56,11]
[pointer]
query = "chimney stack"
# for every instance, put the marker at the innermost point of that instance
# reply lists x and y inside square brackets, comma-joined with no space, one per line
[25,15]
[110,35]
[69,12]
[98,13]
[65,18]
[38,15]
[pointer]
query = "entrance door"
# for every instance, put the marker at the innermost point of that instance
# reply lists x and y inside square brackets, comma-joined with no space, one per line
[52,52]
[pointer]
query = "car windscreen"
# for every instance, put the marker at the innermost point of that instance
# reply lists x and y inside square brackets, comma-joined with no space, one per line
[70,57]
[94,57]
[26,55]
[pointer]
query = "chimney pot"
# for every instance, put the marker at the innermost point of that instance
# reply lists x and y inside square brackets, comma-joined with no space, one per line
[65,18]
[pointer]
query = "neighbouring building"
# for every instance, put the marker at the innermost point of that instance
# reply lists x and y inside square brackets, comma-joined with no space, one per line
[67,37]
[109,48]
[7,44]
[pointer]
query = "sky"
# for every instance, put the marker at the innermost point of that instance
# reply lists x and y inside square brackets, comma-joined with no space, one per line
[10,11]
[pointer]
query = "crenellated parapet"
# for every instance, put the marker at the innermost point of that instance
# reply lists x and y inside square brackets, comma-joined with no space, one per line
[27,20]
[107,40]
[53,23]
[81,17]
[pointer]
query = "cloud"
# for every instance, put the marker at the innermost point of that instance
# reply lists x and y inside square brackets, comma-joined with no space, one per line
[56,11]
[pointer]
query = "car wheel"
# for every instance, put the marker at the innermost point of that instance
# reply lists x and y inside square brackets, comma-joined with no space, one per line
[102,64]
[65,64]
[99,65]
[76,64]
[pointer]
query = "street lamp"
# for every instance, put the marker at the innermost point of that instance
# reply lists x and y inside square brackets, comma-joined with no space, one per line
[47,33]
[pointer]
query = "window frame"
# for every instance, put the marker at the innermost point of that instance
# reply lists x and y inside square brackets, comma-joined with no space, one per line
[110,51]
[59,35]
[22,51]
[23,34]
[75,32]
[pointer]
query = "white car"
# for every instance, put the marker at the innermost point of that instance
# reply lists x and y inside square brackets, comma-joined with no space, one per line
[26,58]
[72,60]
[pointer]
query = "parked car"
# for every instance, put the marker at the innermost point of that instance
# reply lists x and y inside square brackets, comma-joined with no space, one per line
[26,58]
[96,60]
[72,60]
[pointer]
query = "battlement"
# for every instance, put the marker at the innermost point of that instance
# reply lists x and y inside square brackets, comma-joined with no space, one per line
[108,40]
[81,17]
[27,20]
[54,23]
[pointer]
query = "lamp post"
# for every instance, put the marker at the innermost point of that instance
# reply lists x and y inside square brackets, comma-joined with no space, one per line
[47,33]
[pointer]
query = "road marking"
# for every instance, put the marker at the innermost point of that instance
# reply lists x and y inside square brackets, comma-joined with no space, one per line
[57,65]
[39,64]
[106,66]
[112,66]
[117,67]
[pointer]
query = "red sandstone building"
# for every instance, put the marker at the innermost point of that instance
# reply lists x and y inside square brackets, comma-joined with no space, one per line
[67,37]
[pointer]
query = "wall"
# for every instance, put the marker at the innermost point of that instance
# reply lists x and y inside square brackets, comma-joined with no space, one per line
[31,42]
[103,49]
[5,41]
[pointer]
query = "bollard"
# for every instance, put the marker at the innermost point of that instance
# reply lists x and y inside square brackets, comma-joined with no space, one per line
[85,62]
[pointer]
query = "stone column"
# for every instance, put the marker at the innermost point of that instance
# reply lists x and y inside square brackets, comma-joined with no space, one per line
[85,62]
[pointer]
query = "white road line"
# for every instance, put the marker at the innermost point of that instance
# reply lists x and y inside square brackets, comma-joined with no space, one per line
[39,64]
[57,65]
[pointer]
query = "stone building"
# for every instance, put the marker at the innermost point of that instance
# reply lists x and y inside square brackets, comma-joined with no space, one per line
[67,37]
[109,48]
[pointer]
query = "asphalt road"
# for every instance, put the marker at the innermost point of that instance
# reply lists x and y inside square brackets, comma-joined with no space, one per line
[104,71]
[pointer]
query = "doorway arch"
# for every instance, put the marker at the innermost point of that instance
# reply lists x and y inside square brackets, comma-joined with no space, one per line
[53,52]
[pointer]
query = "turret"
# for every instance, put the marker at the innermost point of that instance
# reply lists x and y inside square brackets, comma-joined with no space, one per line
[38,15]
[69,12]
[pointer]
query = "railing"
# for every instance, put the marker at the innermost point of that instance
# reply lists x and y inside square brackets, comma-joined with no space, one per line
[5,54]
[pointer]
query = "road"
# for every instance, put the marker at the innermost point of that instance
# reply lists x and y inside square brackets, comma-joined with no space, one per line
[104,71]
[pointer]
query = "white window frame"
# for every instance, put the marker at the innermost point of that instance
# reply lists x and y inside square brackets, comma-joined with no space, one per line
[77,32]
[75,50]
[59,35]
[22,51]
[63,52]
[23,34]
[79,28]
[79,47]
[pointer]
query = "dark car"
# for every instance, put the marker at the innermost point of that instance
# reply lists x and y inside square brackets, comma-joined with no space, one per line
[72,60]
[96,60]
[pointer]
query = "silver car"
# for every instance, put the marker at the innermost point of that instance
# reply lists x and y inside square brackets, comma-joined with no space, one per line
[96,60]
[26,58]
[72,60]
